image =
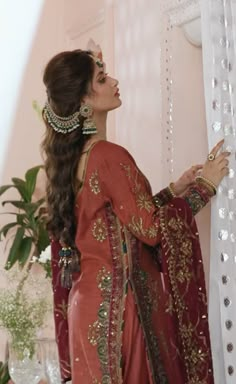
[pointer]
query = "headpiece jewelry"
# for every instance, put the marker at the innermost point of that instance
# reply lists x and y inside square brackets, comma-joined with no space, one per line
[61,124]
[96,51]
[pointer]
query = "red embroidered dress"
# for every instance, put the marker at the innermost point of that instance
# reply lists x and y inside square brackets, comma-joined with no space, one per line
[137,313]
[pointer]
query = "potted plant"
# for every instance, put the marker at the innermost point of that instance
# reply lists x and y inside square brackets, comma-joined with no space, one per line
[29,240]
[30,235]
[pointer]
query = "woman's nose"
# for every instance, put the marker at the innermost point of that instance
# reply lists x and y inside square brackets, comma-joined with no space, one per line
[115,82]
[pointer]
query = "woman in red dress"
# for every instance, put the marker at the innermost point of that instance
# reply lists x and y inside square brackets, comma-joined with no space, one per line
[128,280]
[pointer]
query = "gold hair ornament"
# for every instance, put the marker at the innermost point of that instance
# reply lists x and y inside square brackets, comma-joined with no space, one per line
[61,124]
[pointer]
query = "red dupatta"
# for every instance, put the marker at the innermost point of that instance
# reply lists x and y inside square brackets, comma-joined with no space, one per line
[184,280]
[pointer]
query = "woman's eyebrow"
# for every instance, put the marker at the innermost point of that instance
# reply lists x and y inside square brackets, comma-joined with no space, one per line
[100,73]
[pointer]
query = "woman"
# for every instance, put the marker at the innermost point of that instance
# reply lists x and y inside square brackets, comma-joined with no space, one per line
[129,292]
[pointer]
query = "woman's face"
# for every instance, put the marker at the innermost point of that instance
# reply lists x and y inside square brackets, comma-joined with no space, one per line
[104,95]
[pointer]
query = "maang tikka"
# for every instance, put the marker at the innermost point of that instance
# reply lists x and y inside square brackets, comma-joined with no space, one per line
[89,126]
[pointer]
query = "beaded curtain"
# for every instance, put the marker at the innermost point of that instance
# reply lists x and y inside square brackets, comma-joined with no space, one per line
[219,39]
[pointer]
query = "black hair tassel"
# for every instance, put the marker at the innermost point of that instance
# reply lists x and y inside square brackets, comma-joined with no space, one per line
[69,262]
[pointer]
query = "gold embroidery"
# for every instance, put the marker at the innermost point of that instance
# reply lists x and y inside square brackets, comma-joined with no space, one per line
[62,309]
[146,289]
[94,183]
[144,201]
[170,306]
[99,230]
[180,272]
[176,225]
[127,170]
[97,333]
[136,226]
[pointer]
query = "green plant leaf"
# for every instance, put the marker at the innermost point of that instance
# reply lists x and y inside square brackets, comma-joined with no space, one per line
[31,178]
[4,374]
[16,203]
[13,253]
[21,187]
[28,207]
[24,250]
[4,230]
[43,238]
[32,208]
[21,219]
[4,188]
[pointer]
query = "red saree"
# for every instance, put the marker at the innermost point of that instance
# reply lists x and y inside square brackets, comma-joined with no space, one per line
[137,313]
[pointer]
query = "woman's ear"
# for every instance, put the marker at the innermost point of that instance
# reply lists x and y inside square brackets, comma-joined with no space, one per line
[88,99]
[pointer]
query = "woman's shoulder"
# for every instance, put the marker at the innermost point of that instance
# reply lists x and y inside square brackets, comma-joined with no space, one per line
[109,150]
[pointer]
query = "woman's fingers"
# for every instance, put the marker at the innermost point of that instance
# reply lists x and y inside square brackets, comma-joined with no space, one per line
[225,171]
[223,164]
[217,147]
[222,156]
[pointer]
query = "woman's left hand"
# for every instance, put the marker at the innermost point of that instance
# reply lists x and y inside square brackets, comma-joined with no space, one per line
[186,180]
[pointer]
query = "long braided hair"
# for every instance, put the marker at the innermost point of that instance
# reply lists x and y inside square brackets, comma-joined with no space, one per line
[67,78]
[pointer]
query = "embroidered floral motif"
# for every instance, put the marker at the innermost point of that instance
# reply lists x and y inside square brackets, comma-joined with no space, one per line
[94,183]
[62,309]
[136,226]
[99,230]
[144,201]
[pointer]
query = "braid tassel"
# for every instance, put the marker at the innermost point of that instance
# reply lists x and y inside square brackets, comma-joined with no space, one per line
[69,264]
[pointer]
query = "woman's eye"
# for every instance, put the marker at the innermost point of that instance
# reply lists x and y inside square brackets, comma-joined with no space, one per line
[103,79]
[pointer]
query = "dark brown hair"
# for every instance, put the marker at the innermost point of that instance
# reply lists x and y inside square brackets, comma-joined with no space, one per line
[67,78]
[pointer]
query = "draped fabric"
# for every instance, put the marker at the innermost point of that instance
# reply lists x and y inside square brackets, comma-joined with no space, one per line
[219,52]
[137,312]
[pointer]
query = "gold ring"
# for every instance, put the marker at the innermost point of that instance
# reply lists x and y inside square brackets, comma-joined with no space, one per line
[211,157]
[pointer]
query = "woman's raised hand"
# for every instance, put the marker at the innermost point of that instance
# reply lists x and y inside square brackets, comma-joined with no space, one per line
[186,180]
[216,166]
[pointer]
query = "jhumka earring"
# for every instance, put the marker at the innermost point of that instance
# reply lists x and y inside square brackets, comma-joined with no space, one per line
[89,126]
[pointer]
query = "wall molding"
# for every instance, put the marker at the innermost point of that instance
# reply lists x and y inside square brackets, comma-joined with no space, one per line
[181,11]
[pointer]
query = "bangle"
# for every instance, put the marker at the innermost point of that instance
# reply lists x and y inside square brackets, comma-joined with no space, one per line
[207,182]
[171,190]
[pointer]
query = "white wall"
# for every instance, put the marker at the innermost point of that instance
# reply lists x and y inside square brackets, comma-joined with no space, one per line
[27,130]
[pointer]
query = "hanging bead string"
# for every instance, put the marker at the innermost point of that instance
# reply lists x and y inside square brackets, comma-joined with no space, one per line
[61,124]
[167,95]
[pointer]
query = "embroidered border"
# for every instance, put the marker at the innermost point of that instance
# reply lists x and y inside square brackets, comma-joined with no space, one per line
[97,333]
[145,304]
[118,296]
[194,349]
[106,332]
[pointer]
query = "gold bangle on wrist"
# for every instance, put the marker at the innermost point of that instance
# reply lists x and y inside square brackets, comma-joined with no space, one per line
[171,190]
[207,182]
